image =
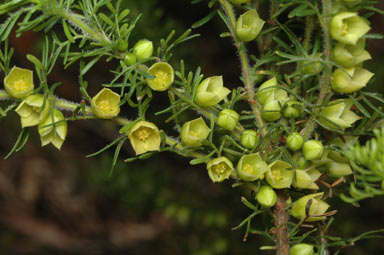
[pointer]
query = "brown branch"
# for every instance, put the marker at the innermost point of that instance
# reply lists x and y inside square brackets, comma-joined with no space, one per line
[281,234]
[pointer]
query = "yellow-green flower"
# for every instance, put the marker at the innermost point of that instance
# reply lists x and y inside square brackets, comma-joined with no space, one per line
[292,109]
[105,104]
[164,76]
[313,149]
[280,175]
[53,129]
[339,112]
[251,167]
[31,112]
[248,26]
[355,79]
[228,119]
[143,49]
[194,132]
[295,141]
[301,249]
[144,136]
[250,138]
[316,209]
[219,169]
[349,56]
[348,27]
[266,196]
[305,179]
[266,89]
[337,169]
[211,91]
[19,82]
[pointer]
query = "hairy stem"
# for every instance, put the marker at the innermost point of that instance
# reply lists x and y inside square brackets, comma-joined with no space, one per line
[281,234]
[245,70]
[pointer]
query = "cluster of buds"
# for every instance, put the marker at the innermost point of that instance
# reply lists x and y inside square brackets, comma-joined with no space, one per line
[142,50]
[348,29]
[35,109]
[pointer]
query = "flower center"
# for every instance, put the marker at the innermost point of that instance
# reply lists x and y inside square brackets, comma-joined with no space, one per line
[162,78]
[192,133]
[220,168]
[36,109]
[105,106]
[276,175]
[248,168]
[344,29]
[20,85]
[143,133]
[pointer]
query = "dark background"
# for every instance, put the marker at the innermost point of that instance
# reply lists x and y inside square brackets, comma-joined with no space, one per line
[59,202]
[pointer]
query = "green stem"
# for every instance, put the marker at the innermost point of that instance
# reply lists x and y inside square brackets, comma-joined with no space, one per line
[325,78]
[245,70]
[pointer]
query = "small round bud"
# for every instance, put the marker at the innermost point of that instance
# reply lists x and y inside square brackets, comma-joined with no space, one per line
[266,197]
[105,104]
[250,139]
[301,249]
[313,149]
[219,169]
[121,45]
[271,111]
[295,141]
[228,119]
[130,59]
[248,26]
[19,82]
[292,109]
[143,49]
[194,132]
[164,76]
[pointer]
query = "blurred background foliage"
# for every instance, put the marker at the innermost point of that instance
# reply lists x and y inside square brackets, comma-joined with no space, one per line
[63,203]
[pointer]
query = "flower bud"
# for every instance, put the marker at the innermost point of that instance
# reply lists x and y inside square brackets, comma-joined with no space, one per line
[271,111]
[266,197]
[280,175]
[249,25]
[312,67]
[295,141]
[228,119]
[355,79]
[219,169]
[339,112]
[317,207]
[53,129]
[301,249]
[292,109]
[267,90]
[336,169]
[164,76]
[144,136]
[349,56]
[121,45]
[143,49]
[313,149]
[302,163]
[19,82]
[211,91]
[348,27]
[31,112]
[194,132]
[305,179]
[251,167]
[250,139]
[105,104]
[130,59]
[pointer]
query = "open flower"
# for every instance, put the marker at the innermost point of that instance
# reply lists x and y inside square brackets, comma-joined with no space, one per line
[144,136]
[355,79]
[251,167]
[31,112]
[194,132]
[219,169]
[317,207]
[53,129]
[164,76]
[349,56]
[348,27]
[19,82]
[249,25]
[105,104]
[280,175]
[211,91]
[339,112]
[305,179]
